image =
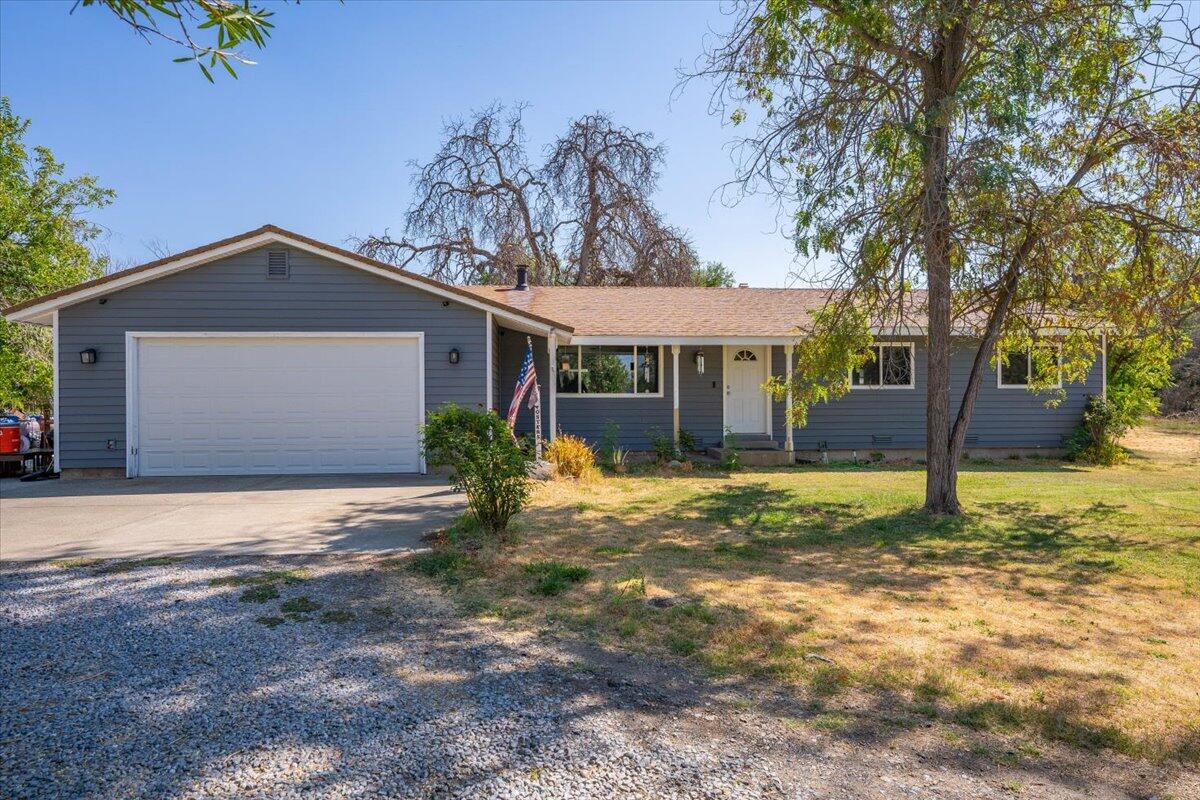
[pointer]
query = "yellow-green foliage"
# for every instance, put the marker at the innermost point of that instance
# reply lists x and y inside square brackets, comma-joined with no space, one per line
[571,456]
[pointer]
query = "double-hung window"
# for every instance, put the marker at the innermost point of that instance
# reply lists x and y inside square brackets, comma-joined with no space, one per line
[610,370]
[888,366]
[1016,369]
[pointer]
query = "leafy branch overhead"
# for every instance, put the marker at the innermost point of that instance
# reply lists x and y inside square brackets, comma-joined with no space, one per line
[584,217]
[182,22]
[1030,166]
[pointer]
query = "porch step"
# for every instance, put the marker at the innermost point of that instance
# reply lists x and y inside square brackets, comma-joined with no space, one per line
[761,457]
[755,441]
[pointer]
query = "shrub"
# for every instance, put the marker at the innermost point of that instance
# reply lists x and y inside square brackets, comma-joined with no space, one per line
[610,440]
[662,445]
[732,460]
[571,456]
[1097,438]
[486,461]
[687,440]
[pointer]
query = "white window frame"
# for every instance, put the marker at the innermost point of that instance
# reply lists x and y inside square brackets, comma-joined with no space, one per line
[1000,384]
[578,348]
[912,376]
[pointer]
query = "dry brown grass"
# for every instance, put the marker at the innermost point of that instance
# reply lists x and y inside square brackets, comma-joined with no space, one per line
[1066,603]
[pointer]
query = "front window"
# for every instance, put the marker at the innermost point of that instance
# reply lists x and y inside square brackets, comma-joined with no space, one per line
[1017,368]
[609,370]
[888,366]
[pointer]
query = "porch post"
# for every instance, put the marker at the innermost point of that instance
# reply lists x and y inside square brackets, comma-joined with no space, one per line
[552,379]
[675,392]
[1103,369]
[789,443]
[770,400]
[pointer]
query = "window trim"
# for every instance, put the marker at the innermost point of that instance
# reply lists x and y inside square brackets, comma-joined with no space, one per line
[912,378]
[578,348]
[1000,384]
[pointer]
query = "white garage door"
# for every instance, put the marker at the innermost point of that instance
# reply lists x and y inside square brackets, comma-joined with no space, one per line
[269,405]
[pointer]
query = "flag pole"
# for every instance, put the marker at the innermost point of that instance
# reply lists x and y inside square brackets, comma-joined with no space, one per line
[537,414]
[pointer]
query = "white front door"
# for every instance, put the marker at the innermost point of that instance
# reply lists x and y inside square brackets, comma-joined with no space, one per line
[745,401]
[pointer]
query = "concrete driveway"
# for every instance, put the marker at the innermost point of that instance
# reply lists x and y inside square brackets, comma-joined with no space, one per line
[107,518]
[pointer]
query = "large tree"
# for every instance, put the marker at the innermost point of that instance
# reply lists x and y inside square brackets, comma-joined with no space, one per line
[44,246]
[1031,166]
[584,217]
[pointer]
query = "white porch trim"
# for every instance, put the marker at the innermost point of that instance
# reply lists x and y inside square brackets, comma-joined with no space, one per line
[767,395]
[675,392]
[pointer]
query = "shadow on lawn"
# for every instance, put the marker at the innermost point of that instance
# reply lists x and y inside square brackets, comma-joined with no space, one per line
[167,683]
[1014,536]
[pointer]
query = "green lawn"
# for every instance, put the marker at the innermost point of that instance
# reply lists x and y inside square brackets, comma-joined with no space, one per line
[1064,604]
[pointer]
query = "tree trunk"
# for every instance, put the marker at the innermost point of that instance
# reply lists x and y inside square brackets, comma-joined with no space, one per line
[941,470]
[587,247]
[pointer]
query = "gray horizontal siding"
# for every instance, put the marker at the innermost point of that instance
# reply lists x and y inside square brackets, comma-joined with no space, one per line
[590,417]
[233,295]
[701,397]
[1001,418]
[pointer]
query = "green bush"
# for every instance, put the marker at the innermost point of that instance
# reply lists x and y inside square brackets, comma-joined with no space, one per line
[664,448]
[486,461]
[610,441]
[687,440]
[1097,438]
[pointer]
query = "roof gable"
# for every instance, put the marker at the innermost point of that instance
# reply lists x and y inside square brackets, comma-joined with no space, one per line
[39,309]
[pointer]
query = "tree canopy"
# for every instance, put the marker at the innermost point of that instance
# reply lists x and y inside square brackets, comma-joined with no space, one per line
[1032,168]
[584,217]
[713,273]
[44,238]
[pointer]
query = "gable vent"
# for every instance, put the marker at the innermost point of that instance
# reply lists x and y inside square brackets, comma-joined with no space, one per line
[278,267]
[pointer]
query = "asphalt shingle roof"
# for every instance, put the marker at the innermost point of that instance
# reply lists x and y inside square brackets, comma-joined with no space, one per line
[664,310]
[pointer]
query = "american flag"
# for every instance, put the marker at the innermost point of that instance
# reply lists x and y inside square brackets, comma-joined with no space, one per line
[526,380]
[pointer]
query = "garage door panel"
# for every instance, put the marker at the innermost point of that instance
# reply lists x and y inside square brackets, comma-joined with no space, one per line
[262,405]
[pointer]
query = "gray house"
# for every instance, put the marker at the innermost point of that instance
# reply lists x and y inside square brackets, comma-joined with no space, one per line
[273,353]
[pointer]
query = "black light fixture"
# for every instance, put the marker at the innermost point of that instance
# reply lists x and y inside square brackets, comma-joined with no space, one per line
[87,356]
[454,355]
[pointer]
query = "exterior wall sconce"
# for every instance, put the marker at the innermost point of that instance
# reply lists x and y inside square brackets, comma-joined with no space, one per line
[454,355]
[699,359]
[87,356]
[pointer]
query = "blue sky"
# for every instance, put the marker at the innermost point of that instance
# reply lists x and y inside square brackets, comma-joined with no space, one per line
[317,137]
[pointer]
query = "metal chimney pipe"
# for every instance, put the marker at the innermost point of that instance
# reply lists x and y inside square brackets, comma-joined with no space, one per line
[522,273]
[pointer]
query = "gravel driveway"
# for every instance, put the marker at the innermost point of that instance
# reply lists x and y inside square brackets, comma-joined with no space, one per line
[147,681]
